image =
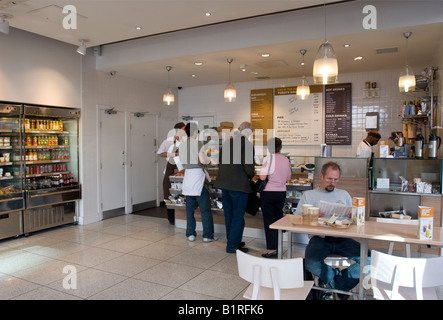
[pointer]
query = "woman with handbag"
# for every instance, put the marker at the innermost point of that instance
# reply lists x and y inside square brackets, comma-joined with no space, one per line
[276,169]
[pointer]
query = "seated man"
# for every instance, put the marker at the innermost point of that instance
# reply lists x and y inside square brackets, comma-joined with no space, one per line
[320,247]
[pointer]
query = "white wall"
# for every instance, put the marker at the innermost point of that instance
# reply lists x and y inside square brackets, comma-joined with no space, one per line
[35,69]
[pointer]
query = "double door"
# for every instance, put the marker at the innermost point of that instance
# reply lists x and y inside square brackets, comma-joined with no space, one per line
[127,162]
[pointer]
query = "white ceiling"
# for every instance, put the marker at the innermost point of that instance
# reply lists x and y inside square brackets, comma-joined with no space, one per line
[104,22]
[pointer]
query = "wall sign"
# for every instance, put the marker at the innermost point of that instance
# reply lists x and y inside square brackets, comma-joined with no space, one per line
[338,114]
[262,107]
[299,122]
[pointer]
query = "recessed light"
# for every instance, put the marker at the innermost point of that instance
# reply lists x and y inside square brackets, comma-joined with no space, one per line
[265,55]
[207,14]
[358,58]
[346,45]
[193,75]
[198,63]
[138,28]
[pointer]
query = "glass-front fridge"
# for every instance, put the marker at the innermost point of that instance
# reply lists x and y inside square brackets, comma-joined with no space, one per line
[51,166]
[11,191]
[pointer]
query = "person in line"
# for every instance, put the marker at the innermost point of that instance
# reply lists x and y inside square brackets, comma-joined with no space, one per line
[272,198]
[236,168]
[194,187]
[320,247]
[364,149]
[167,150]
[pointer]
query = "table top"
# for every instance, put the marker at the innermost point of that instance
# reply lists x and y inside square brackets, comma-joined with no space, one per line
[370,230]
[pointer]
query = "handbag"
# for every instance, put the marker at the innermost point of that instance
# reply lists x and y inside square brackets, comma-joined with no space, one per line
[261,184]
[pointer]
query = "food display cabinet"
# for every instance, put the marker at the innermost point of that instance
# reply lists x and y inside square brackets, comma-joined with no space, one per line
[50,166]
[11,190]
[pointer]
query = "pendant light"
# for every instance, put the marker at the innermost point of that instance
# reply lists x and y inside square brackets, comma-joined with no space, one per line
[230,92]
[325,69]
[303,90]
[406,82]
[168,97]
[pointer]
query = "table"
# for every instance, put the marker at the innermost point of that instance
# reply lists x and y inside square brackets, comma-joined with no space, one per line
[371,230]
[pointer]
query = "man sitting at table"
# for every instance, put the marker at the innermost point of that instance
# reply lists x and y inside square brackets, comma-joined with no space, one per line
[320,247]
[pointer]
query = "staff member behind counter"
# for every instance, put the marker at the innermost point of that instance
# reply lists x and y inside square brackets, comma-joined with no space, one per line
[364,149]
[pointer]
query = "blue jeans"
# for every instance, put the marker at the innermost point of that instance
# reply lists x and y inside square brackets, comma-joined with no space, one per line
[205,209]
[320,248]
[234,206]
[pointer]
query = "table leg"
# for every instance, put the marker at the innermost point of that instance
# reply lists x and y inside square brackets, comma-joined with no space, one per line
[280,244]
[363,263]
[289,244]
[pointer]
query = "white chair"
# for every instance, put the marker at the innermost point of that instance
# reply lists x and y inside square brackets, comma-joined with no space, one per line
[400,278]
[273,279]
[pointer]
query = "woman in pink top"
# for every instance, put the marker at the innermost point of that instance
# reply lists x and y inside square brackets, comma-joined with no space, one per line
[272,198]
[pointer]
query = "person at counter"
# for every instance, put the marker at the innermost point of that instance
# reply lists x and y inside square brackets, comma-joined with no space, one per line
[272,199]
[236,168]
[364,149]
[195,187]
[166,150]
[319,247]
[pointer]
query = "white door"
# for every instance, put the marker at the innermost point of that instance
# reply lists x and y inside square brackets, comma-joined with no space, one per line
[143,161]
[112,163]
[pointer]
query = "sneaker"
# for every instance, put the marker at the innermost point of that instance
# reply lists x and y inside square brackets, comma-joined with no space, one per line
[325,295]
[210,239]
[191,238]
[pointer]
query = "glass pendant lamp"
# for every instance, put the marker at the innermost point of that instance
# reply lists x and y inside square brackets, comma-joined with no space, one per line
[406,81]
[303,90]
[168,97]
[325,69]
[230,93]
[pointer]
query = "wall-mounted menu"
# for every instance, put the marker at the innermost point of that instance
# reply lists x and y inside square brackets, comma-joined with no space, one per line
[298,122]
[262,105]
[338,114]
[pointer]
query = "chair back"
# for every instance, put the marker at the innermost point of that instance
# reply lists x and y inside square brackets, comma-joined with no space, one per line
[271,273]
[395,277]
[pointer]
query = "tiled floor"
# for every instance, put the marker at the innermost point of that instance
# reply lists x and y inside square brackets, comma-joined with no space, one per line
[126,257]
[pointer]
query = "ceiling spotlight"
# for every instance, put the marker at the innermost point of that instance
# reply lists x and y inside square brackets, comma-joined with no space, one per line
[82,49]
[4,24]
[243,67]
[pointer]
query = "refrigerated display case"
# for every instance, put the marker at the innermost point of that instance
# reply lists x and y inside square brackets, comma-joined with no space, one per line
[11,191]
[50,171]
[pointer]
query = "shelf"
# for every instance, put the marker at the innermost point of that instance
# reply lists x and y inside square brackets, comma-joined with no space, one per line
[386,191]
[47,161]
[30,131]
[47,147]
[371,93]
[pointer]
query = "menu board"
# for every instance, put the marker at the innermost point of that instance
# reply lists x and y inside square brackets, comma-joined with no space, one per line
[262,106]
[299,122]
[338,114]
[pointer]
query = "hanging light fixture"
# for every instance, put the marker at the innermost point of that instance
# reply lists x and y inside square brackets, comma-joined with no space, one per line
[168,97]
[4,24]
[303,90]
[325,65]
[82,48]
[406,82]
[230,92]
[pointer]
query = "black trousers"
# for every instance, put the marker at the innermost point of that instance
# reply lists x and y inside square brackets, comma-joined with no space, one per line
[166,185]
[271,203]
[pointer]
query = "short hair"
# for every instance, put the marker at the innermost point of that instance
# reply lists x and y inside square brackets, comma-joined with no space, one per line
[179,125]
[245,125]
[330,164]
[274,145]
[190,128]
[374,134]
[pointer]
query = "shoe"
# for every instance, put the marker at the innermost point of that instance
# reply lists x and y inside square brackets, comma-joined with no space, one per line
[272,255]
[242,244]
[191,238]
[325,295]
[245,250]
[171,221]
[210,239]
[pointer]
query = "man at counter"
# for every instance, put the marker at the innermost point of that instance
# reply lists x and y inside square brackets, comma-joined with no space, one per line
[236,168]
[364,149]
[168,150]
[320,247]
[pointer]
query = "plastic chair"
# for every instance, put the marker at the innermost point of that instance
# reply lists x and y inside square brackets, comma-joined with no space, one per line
[400,278]
[273,279]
